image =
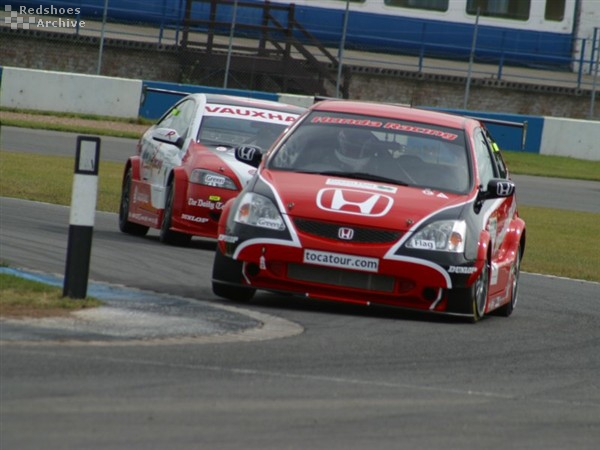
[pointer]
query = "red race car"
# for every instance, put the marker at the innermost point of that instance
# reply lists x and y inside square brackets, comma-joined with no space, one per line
[377,204]
[185,170]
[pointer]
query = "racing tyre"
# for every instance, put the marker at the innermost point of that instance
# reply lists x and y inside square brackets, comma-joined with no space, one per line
[125,225]
[227,277]
[506,310]
[167,235]
[471,302]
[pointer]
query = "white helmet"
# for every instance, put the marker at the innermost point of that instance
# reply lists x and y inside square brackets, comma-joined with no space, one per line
[352,150]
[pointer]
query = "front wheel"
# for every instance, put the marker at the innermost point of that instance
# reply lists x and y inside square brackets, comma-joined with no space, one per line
[471,302]
[227,279]
[124,224]
[167,235]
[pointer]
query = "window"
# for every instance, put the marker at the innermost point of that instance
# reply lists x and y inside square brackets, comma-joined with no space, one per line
[508,9]
[432,5]
[555,10]
[180,117]
[501,166]
[485,165]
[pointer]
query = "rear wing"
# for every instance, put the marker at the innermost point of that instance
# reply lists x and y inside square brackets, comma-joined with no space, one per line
[523,125]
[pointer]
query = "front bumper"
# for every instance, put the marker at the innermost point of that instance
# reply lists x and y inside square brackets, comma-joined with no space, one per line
[400,281]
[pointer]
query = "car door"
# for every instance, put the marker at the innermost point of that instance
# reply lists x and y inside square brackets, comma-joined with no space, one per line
[498,211]
[158,158]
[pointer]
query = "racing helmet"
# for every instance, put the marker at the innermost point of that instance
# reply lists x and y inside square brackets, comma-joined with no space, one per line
[352,148]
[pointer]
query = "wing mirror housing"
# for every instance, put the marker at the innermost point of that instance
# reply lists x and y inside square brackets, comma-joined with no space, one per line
[249,154]
[168,136]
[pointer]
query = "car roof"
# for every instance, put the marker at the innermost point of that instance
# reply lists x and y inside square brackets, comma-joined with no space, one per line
[249,102]
[395,111]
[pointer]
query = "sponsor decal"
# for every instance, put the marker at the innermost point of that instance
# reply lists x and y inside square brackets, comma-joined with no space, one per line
[140,197]
[428,192]
[201,203]
[424,244]
[244,112]
[462,270]
[387,125]
[350,201]
[141,218]
[214,198]
[227,238]
[361,185]
[194,218]
[341,260]
[269,223]
[442,195]
[214,180]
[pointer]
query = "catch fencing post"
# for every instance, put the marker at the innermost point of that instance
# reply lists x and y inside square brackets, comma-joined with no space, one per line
[81,222]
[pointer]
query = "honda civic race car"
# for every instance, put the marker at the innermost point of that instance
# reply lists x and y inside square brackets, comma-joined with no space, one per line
[370,203]
[185,170]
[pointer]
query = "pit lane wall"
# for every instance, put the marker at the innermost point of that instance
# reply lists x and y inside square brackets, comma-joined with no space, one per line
[127,98]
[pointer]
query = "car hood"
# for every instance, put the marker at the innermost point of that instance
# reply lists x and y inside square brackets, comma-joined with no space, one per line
[358,202]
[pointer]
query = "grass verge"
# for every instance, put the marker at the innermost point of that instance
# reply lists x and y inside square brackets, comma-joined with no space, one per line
[25,298]
[552,166]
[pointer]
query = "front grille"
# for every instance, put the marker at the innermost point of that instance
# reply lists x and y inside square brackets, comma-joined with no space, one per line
[361,234]
[338,277]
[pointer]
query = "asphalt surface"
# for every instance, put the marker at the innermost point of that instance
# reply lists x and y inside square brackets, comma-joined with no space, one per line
[338,377]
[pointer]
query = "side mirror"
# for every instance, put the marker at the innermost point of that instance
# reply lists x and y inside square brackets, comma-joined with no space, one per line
[249,154]
[499,188]
[168,136]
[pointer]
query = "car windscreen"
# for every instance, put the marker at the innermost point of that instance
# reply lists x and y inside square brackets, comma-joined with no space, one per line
[233,132]
[380,149]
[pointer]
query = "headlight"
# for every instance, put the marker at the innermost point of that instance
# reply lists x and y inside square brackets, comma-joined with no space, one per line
[214,179]
[258,211]
[446,236]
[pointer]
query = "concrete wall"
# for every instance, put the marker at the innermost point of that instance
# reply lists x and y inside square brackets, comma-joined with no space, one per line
[567,137]
[68,92]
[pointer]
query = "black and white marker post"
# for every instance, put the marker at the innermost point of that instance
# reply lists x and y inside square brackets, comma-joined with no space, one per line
[81,222]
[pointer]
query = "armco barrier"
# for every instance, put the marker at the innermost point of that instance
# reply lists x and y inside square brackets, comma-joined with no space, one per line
[118,97]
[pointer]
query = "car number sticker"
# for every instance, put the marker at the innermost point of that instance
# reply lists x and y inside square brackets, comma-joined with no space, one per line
[341,260]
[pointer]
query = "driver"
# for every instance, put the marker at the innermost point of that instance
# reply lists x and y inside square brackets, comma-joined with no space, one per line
[353,149]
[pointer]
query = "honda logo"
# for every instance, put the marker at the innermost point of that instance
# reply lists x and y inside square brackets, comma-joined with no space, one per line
[346,233]
[504,189]
[247,153]
[350,201]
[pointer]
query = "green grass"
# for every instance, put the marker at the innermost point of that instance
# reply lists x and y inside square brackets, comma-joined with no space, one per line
[561,243]
[552,166]
[50,179]
[19,297]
